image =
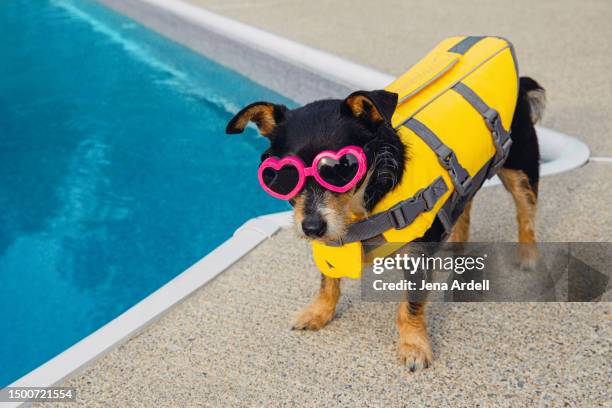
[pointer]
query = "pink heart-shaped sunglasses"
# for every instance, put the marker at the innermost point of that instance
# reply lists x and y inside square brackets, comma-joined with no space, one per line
[336,171]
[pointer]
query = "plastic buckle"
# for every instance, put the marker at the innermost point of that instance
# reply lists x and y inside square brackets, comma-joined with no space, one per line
[491,117]
[396,215]
[495,167]
[446,156]
[502,147]
[500,159]
[463,186]
[503,150]
[428,198]
[506,146]
[451,164]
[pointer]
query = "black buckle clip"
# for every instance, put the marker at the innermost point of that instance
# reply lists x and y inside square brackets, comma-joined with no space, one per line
[396,215]
[461,185]
[423,201]
[450,163]
[506,145]
[501,138]
[500,158]
[427,196]
[491,117]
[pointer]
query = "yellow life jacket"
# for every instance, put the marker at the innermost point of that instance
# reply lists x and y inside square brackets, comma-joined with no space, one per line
[454,109]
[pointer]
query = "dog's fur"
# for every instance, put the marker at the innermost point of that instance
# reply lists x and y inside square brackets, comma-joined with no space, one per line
[364,119]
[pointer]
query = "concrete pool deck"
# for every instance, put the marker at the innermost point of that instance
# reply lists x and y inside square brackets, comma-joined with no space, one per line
[230,343]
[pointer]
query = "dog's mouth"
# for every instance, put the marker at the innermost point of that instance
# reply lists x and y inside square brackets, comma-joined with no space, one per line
[325,219]
[325,226]
[320,215]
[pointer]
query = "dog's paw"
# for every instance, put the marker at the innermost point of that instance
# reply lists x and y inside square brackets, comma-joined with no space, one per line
[415,357]
[528,257]
[313,317]
[528,265]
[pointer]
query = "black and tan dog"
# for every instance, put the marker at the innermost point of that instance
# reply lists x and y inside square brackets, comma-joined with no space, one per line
[323,215]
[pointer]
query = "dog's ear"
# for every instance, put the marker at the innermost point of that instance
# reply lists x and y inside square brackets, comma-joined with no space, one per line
[265,115]
[374,107]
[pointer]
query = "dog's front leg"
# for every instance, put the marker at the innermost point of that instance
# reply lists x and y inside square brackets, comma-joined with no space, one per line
[414,348]
[322,309]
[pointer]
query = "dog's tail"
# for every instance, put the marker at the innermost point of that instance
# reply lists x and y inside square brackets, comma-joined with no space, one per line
[533,97]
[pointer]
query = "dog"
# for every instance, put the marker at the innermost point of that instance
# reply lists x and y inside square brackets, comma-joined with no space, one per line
[363,119]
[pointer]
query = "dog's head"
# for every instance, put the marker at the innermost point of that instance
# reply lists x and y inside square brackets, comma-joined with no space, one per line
[363,119]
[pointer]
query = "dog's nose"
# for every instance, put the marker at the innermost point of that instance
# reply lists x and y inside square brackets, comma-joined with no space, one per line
[314,227]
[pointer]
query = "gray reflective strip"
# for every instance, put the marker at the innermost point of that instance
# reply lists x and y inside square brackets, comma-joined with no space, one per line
[446,157]
[398,217]
[501,138]
[464,45]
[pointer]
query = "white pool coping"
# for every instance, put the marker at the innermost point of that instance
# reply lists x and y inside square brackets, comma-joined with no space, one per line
[115,332]
[560,152]
[331,66]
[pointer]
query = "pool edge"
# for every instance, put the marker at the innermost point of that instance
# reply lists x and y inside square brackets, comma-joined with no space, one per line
[246,238]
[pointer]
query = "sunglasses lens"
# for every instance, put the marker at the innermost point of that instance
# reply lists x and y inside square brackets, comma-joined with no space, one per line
[281,181]
[338,172]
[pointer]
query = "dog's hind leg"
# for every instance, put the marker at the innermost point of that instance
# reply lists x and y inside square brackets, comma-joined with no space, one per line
[414,348]
[525,200]
[461,230]
[521,171]
[322,309]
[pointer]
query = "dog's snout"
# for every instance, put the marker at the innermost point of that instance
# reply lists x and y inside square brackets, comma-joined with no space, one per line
[314,226]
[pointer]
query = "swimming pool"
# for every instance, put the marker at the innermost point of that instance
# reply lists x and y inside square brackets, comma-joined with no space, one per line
[115,172]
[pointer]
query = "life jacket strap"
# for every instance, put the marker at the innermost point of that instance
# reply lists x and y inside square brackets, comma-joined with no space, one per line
[399,216]
[452,209]
[446,156]
[464,45]
[501,137]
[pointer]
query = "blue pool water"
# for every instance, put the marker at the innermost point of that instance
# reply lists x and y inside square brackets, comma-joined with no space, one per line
[115,172]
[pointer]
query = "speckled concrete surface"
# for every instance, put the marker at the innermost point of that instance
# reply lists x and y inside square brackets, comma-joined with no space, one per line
[230,343]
